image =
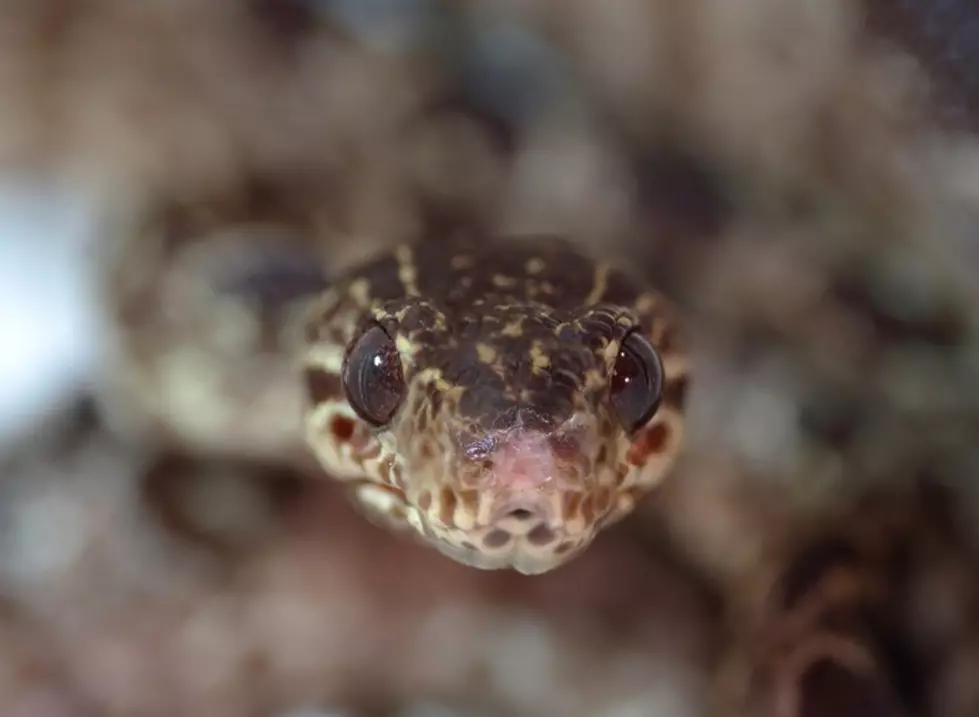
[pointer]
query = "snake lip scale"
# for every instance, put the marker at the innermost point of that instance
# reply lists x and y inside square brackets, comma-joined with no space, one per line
[502,401]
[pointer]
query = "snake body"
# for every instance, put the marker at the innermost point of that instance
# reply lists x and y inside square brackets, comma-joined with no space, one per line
[502,400]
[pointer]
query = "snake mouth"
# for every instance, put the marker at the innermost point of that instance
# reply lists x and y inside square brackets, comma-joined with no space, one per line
[539,549]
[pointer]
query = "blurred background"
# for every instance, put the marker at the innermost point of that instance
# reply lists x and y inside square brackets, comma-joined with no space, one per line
[802,178]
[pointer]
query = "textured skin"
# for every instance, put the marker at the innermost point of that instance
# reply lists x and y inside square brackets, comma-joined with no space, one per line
[507,349]
[870,612]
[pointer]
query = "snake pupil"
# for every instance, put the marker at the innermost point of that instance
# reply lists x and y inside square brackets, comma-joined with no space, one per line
[372,377]
[637,382]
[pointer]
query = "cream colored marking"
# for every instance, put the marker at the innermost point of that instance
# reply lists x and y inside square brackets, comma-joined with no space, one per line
[360,291]
[538,359]
[645,303]
[405,346]
[674,365]
[504,282]
[601,282]
[325,356]
[593,379]
[407,274]
[514,328]
[378,499]
[534,266]
[433,376]
[611,352]
[486,353]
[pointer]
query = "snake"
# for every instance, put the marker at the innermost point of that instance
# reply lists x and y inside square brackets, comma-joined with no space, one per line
[504,400]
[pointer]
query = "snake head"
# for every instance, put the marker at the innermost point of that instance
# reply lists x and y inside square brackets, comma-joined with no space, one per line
[506,435]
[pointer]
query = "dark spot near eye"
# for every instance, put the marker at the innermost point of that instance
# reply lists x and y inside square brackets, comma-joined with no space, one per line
[812,565]
[675,392]
[322,385]
[540,535]
[496,539]
[342,428]
[667,340]
[651,441]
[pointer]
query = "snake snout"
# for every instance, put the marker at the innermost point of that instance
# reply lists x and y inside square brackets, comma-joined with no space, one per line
[523,509]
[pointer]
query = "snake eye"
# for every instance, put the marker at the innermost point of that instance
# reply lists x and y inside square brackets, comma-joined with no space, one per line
[637,382]
[372,377]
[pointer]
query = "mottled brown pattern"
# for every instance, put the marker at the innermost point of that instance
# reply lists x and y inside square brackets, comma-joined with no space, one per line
[507,348]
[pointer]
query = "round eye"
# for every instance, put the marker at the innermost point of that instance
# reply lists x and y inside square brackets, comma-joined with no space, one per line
[637,382]
[372,377]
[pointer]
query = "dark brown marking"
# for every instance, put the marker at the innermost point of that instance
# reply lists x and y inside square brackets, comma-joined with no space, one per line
[425,500]
[571,505]
[496,539]
[812,566]
[342,428]
[588,509]
[668,340]
[322,385]
[448,506]
[540,535]
[649,442]
[603,500]
[675,392]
